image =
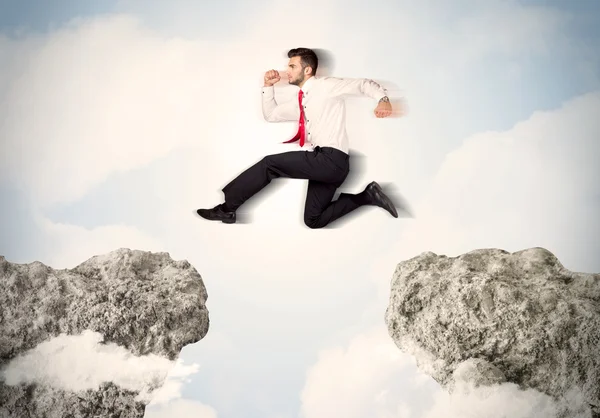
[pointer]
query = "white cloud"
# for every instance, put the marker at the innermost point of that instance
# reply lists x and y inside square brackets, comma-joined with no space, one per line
[498,401]
[371,377]
[172,386]
[82,362]
[99,96]
[534,185]
[368,378]
[70,245]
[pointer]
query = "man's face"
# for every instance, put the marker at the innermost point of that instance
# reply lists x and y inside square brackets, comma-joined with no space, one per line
[295,73]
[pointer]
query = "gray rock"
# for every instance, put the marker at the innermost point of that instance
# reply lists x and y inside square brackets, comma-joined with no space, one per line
[142,302]
[489,316]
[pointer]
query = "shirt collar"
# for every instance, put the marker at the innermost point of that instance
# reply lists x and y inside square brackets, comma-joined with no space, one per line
[307,84]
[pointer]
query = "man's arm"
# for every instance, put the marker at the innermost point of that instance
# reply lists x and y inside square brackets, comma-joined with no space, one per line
[342,87]
[274,112]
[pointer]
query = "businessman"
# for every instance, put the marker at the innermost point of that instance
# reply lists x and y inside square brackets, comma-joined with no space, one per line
[320,112]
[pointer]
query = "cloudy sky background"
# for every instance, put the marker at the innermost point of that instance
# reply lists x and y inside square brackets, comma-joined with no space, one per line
[121,118]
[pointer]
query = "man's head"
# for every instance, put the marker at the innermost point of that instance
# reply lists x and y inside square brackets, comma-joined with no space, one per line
[302,65]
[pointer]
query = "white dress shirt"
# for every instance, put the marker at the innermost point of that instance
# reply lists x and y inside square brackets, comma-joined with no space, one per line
[324,108]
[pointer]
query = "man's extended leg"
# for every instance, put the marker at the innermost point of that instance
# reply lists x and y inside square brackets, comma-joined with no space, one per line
[292,164]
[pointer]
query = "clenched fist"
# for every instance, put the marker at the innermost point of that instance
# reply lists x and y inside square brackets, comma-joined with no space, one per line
[271,77]
[383,109]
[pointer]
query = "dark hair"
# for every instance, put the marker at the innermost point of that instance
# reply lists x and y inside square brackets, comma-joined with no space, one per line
[308,58]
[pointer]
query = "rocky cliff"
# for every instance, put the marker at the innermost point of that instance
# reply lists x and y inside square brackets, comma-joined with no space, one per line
[138,307]
[489,316]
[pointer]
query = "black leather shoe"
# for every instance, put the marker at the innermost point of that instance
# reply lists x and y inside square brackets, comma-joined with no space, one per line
[217,214]
[377,197]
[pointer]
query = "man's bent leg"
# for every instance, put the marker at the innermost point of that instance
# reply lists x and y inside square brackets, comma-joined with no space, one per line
[320,211]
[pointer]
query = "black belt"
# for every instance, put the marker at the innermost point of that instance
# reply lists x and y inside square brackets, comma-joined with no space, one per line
[333,151]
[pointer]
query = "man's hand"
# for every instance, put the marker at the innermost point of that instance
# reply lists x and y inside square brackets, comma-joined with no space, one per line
[383,109]
[271,77]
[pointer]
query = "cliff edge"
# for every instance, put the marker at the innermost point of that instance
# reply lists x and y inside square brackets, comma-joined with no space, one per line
[98,339]
[489,316]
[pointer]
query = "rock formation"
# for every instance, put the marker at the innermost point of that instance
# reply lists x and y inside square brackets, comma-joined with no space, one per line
[489,316]
[145,304]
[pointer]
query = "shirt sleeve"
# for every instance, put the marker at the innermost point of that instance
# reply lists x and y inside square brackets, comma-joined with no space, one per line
[274,112]
[341,87]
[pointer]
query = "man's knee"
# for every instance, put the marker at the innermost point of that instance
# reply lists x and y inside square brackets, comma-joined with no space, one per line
[313,222]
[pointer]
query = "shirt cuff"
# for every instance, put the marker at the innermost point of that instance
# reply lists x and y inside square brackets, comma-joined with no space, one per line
[268,91]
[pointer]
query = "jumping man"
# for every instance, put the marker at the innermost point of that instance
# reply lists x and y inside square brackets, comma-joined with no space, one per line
[320,110]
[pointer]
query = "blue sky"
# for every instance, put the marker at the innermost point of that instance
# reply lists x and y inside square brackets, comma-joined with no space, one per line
[222,19]
[499,139]
[39,16]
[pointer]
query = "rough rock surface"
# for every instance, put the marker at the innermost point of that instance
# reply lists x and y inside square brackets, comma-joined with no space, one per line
[142,301]
[490,316]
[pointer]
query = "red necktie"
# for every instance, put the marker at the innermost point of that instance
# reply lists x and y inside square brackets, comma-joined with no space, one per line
[301,129]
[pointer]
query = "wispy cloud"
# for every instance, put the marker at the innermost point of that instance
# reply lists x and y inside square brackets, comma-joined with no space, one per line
[82,362]
[368,377]
[181,408]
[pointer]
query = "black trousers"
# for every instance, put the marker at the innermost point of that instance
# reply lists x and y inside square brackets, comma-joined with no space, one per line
[325,168]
